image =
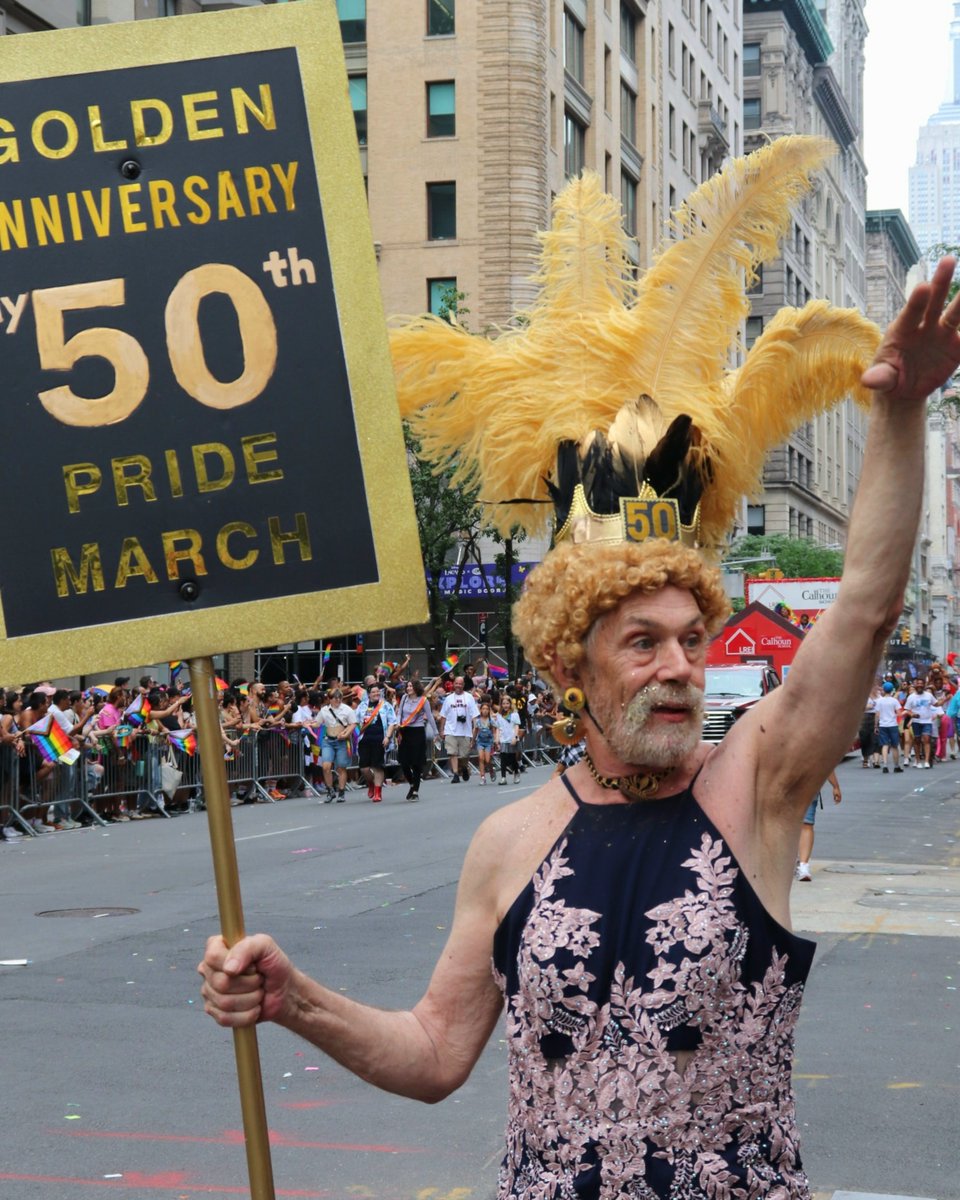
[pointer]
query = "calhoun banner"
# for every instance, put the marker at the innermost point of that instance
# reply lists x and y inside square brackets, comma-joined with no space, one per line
[198,397]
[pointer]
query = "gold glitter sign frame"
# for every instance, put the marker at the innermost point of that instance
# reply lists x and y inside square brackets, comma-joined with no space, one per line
[198,383]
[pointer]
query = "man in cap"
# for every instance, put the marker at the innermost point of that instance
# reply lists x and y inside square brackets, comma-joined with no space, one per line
[887,712]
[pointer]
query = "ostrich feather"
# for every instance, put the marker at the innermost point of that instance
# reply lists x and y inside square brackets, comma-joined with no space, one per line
[803,363]
[578,370]
[692,300]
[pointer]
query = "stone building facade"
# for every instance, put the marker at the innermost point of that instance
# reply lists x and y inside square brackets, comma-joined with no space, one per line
[803,73]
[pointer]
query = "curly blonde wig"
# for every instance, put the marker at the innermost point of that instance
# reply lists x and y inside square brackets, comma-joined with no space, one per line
[576,584]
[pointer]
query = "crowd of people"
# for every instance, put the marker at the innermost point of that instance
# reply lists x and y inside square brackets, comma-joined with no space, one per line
[911,721]
[392,727]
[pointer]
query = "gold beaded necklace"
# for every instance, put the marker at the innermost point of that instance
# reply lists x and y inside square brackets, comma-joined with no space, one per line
[633,787]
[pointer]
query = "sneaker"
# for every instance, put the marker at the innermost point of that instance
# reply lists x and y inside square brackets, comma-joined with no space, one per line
[803,873]
[886,770]
[516,778]
[341,796]
[413,797]
[465,772]
[12,835]
[503,782]
[40,827]
[455,779]
[328,798]
[410,794]
[483,779]
[898,770]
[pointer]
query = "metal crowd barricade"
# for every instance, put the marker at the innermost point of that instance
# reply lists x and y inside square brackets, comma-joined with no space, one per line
[242,765]
[281,758]
[10,788]
[132,770]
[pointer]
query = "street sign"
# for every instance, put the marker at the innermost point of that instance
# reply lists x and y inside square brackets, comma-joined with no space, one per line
[200,428]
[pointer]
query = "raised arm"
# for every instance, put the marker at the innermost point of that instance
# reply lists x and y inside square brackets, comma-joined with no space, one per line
[824,695]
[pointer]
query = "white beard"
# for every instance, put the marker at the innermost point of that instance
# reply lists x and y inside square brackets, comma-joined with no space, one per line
[634,738]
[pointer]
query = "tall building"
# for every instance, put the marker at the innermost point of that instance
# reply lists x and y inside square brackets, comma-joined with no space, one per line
[935,176]
[803,73]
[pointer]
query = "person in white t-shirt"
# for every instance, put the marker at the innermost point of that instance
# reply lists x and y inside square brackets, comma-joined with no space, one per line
[920,704]
[886,710]
[336,750]
[457,716]
[507,739]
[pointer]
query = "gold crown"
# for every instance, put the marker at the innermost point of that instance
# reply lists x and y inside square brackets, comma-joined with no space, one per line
[640,519]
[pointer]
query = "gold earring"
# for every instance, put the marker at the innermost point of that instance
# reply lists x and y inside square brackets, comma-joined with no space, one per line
[574,700]
[567,731]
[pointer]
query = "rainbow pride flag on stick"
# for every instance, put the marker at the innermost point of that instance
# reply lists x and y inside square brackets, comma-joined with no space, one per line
[497,672]
[449,663]
[52,742]
[326,652]
[138,713]
[184,740]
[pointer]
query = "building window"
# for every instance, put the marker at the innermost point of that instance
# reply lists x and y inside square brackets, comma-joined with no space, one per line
[628,198]
[672,130]
[751,60]
[442,295]
[628,114]
[756,288]
[754,329]
[441,109]
[441,211]
[671,50]
[628,31]
[572,46]
[358,102]
[441,17]
[574,146]
[756,518]
[353,20]
[751,112]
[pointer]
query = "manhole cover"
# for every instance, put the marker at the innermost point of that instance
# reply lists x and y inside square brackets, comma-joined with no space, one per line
[88,912]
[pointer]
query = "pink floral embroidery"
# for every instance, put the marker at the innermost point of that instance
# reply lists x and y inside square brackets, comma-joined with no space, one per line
[598,1108]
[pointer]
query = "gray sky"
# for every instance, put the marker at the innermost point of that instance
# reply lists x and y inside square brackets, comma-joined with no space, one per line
[906,80]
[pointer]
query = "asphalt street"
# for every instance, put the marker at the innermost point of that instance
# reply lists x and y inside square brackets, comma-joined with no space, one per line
[116,1084]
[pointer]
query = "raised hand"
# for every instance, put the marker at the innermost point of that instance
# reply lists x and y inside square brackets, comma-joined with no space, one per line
[921,347]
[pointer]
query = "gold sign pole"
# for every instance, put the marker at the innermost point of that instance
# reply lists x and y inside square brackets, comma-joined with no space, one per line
[217,796]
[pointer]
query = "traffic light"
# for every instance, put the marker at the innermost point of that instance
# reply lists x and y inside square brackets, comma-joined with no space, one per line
[905,634]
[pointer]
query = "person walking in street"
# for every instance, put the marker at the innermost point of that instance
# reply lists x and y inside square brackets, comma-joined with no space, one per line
[339,722]
[919,705]
[415,724]
[377,723]
[869,750]
[886,712]
[483,739]
[805,851]
[507,739]
[457,715]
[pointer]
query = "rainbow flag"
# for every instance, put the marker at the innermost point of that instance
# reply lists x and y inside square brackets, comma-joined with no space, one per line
[122,735]
[244,689]
[274,710]
[387,666]
[138,713]
[497,672]
[175,669]
[97,690]
[52,742]
[449,663]
[222,684]
[183,739]
[326,652]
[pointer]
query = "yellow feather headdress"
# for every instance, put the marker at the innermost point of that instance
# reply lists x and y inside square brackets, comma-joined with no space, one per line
[618,387]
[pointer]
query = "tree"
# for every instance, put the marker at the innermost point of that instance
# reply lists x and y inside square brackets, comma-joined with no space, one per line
[797,558]
[947,400]
[448,520]
[504,563]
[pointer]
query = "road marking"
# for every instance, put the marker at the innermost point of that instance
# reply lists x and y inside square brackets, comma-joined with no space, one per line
[362,879]
[899,1086]
[160,1183]
[252,837]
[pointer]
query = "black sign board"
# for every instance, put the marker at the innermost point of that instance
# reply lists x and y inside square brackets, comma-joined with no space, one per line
[189,383]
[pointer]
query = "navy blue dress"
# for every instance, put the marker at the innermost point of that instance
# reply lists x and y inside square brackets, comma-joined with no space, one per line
[639,937]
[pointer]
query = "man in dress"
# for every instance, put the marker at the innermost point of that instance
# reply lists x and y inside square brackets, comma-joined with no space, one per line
[637,907]
[377,723]
[681,1068]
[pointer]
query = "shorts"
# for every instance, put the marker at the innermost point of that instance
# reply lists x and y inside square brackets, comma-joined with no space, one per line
[810,817]
[888,735]
[336,751]
[921,728]
[456,746]
[370,752]
[485,743]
